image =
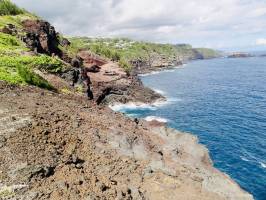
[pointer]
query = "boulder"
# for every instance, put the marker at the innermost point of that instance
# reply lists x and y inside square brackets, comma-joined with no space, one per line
[77,62]
[65,42]
[94,69]
[9,29]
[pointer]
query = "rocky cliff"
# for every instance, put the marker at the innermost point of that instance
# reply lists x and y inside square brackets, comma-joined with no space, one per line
[139,56]
[57,144]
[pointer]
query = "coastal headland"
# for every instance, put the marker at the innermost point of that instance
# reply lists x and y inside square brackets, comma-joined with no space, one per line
[57,144]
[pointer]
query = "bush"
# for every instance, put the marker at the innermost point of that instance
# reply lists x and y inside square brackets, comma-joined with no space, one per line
[8,40]
[10,75]
[50,64]
[33,79]
[125,65]
[18,69]
[10,45]
[9,8]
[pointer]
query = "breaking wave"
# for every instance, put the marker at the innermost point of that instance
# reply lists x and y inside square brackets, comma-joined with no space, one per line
[148,74]
[154,118]
[132,106]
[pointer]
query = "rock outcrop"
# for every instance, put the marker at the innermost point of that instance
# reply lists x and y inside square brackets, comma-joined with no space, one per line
[41,37]
[9,29]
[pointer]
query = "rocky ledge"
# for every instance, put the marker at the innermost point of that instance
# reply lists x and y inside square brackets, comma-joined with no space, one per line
[55,146]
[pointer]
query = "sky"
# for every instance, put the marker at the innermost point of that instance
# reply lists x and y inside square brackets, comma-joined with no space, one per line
[221,24]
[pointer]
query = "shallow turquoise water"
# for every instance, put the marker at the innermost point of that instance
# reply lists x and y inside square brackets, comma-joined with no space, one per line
[223,102]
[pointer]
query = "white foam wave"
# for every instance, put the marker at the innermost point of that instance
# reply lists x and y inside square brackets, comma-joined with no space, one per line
[158,91]
[169,70]
[148,74]
[160,103]
[263,164]
[154,118]
[142,106]
[132,106]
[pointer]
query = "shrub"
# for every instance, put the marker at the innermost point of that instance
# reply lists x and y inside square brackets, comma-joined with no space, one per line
[9,8]
[8,40]
[18,69]
[10,45]
[125,65]
[33,79]
[10,75]
[50,64]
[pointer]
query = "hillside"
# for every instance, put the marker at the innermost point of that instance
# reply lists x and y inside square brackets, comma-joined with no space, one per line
[130,53]
[17,61]
[58,144]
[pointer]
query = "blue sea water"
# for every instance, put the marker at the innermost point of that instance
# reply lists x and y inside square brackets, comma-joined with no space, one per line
[223,102]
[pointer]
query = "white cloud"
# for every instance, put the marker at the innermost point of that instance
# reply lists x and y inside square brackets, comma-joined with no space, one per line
[261,41]
[229,22]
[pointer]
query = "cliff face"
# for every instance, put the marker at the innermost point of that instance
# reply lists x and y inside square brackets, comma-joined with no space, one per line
[140,56]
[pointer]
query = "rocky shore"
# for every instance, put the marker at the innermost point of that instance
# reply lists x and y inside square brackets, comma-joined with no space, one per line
[59,145]
[55,146]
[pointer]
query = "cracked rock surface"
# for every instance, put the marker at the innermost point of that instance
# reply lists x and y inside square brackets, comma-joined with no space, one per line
[54,146]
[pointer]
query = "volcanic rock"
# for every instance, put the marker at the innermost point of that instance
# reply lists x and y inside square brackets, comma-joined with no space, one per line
[41,37]
[9,29]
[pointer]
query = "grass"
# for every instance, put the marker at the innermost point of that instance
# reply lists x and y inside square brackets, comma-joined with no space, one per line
[10,45]
[29,77]
[9,8]
[11,14]
[19,69]
[16,19]
[15,67]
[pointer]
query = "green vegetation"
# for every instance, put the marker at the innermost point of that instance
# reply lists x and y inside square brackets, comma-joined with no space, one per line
[15,66]
[15,20]
[66,91]
[19,69]
[125,50]
[208,53]
[29,77]
[10,45]
[9,8]
[11,14]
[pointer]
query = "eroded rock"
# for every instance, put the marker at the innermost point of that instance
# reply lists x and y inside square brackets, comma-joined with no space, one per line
[41,37]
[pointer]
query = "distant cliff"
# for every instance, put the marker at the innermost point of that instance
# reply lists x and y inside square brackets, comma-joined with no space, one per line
[142,55]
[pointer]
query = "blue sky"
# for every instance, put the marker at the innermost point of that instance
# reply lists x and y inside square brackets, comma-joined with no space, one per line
[222,24]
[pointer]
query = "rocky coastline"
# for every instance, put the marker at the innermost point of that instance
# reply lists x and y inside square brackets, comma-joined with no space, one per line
[55,146]
[59,145]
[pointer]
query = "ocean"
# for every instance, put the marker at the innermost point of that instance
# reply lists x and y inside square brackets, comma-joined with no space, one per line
[223,102]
